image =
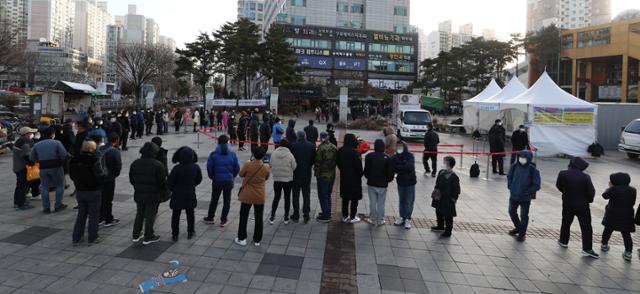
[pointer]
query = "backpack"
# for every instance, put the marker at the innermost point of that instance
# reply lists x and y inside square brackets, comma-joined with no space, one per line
[595,150]
[475,170]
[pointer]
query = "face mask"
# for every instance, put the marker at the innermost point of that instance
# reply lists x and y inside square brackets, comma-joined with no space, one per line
[522,130]
[500,124]
[134,113]
[37,136]
[113,120]
[30,136]
[522,160]
[100,123]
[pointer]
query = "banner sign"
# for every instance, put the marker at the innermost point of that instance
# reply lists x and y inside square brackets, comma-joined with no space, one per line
[350,64]
[315,62]
[578,116]
[567,116]
[547,115]
[241,103]
[493,107]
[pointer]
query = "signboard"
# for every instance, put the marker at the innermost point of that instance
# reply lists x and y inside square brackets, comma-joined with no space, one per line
[315,62]
[396,56]
[547,115]
[391,37]
[319,52]
[350,64]
[567,116]
[389,84]
[578,116]
[241,103]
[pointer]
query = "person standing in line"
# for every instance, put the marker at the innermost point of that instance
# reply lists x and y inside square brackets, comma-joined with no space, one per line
[255,175]
[325,171]
[203,118]
[278,132]
[159,123]
[51,155]
[222,167]
[140,124]
[182,182]
[618,215]
[283,165]
[254,133]
[290,133]
[165,121]
[378,169]
[497,137]
[519,142]
[163,154]
[577,193]
[265,132]
[431,141]
[219,119]
[231,129]
[404,166]
[349,162]
[332,134]
[149,179]
[148,119]
[112,161]
[123,119]
[225,119]
[21,150]
[88,175]
[390,141]
[448,187]
[212,118]
[177,120]
[523,182]
[195,118]
[81,135]
[305,154]
[242,130]
[133,123]
[311,132]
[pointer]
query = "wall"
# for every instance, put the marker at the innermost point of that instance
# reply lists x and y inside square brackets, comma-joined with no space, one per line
[611,117]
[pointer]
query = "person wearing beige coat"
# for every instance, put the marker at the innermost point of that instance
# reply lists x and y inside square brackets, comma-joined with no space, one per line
[283,164]
[255,175]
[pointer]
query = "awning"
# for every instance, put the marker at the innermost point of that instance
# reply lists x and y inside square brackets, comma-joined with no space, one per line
[75,87]
[433,103]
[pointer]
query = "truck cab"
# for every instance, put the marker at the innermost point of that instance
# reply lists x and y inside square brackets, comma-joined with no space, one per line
[409,119]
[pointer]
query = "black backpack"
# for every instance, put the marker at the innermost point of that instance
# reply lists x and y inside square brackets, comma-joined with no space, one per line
[475,170]
[596,150]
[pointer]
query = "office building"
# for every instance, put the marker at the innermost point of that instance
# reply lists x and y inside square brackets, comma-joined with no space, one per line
[567,14]
[374,15]
[489,34]
[167,42]
[444,38]
[90,28]
[135,27]
[152,32]
[57,64]
[52,21]
[115,35]
[252,10]
[15,15]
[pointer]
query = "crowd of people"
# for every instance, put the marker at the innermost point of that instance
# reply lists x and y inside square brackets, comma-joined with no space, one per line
[91,155]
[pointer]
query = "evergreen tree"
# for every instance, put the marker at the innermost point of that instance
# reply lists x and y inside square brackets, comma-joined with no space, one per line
[277,59]
[200,59]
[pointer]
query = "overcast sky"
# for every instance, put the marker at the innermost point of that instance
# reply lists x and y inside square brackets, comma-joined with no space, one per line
[184,19]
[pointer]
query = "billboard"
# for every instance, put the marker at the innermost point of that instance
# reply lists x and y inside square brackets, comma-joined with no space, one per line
[350,64]
[315,62]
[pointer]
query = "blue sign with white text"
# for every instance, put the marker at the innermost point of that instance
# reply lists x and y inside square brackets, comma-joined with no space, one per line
[350,64]
[315,62]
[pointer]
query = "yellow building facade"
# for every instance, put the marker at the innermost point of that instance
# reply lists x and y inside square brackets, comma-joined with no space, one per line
[602,62]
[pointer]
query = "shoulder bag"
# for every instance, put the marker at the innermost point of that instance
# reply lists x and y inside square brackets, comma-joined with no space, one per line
[249,179]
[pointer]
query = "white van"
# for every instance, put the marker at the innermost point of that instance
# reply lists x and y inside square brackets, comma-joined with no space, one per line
[630,139]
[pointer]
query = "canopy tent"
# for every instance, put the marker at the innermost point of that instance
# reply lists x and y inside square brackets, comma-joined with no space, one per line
[470,113]
[432,102]
[489,109]
[559,123]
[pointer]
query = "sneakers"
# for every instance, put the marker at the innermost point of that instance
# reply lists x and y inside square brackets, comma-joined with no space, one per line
[427,172]
[25,206]
[152,239]
[604,247]
[208,220]
[240,242]
[513,232]
[437,229]
[137,239]
[433,175]
[112,223]
[271,219]
[407,224]
[223,224]
[591,254]
[563,245]
[627,255]
[257,244]
[286,221]
[399,222]
[322,220]
[346,220]
[60,208]
[355,220]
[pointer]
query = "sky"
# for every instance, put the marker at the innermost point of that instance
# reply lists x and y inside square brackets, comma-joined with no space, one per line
[183,20]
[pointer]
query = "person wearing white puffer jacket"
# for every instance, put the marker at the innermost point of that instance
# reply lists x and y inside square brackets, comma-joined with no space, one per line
[282,165]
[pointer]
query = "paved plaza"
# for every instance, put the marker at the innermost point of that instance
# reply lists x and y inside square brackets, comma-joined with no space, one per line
[36,254]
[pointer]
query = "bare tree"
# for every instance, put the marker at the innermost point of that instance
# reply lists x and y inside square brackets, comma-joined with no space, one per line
[11,50]
[166,63]
[137,65]
[30,68]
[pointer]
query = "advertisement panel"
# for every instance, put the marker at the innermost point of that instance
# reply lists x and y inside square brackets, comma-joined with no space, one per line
[547,115]
[567,116]
[315,62]
[578,116]
[241,103]
[350,64]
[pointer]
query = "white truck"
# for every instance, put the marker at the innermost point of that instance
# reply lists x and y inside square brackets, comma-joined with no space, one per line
[408,117]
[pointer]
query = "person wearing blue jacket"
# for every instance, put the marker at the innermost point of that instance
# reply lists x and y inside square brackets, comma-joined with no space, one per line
[278,132]
[222,167]
[523,182]
[404,166]
[140,123]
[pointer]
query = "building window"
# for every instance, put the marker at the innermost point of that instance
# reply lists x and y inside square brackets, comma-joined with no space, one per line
[356,24]
[391,48]
[567,41]
[309,43]
[400,29]
[357,8]
[342,7]
[391,66]
[343,24]
[400,10]
[298,20]
[302,3]
[350,46]
[260,7]
[594,38]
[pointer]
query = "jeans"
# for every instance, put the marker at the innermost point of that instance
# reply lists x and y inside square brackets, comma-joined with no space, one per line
[88,206]
[499,161]
[377,198]
[49,178]
[626,237]
[434,162]
[165,127]
[175,221]
[223,188]
[306,200]
[407,195]
[349,205]
[445,222]
[244,216]
[324,197]
[584,217]
[520,223]
[278,188]
[107,202]
[22,186]
[145,213]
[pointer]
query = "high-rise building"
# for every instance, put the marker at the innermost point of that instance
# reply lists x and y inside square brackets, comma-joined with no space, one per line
[252,10]
[52,20]
[90,28]
[153,32]
[167,42]
[567,14]
[15,15]
[489,34]
[135,27]
[115,35]
[377,15]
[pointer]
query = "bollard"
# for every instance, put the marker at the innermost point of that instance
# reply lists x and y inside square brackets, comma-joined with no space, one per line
[488,164]
[461,156]
[198,141]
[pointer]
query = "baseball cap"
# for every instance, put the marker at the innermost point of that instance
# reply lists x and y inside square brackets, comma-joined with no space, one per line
[27,130]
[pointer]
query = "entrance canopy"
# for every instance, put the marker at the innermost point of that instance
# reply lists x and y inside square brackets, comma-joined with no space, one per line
[470,106]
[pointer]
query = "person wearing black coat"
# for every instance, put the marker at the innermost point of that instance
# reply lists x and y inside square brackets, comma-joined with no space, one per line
[242,130]
[177,120]
[254,132]
[305,155]
[123,119]
[149,179]
[332,134]
[350,165]
[448,185]
[88,175]
[83,131]
[231,129]
[113,126]
[431,141]
[182,182]
[378,169]
[577,193]
[618,214]
[159,123]
[519,142]
[311,132]
[265,133]
[148,120]
[290,132]
[163,154]
[133,124]
[497,137]
[112,160]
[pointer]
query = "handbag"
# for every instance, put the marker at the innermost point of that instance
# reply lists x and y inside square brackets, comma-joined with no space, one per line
[33,172]
[249,179]
[435,195]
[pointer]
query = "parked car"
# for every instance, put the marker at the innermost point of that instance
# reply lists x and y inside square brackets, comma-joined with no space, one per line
[630,139]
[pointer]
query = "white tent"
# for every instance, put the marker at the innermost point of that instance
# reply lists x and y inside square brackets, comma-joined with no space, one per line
[490,107]
[470,106]
[559,123]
